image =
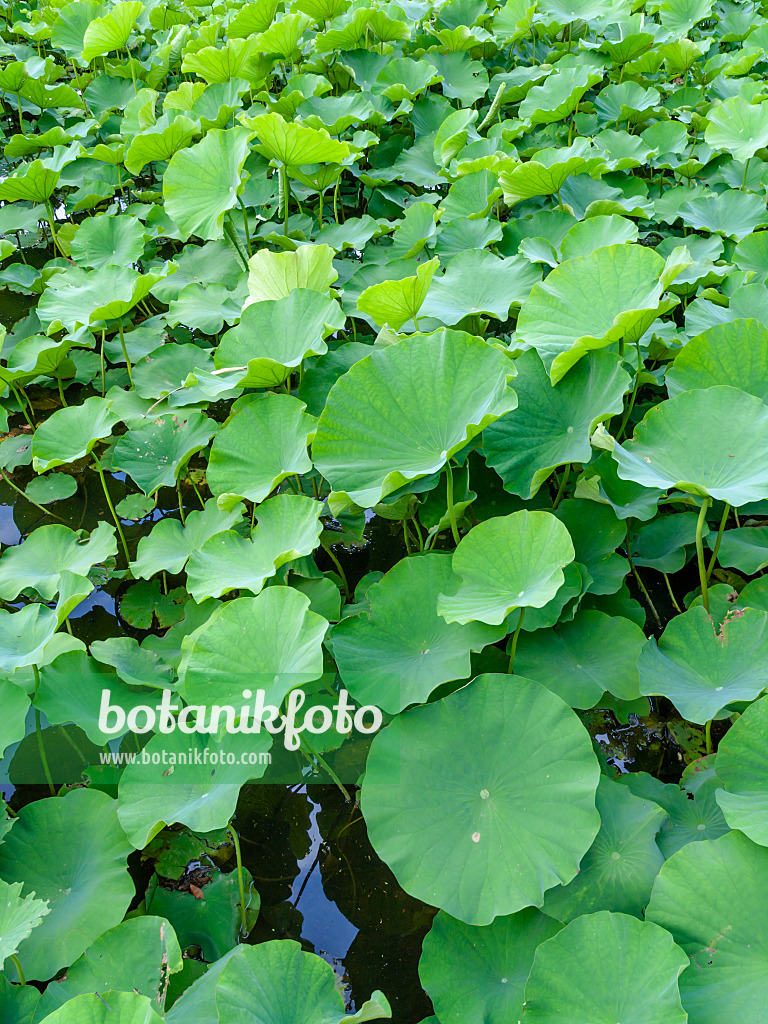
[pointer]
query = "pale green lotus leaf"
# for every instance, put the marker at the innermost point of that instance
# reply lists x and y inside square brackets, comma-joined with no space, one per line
[740,767]
[475,282]
[731,213]
[108,241]
[50,550]
[109,1008]
[273,275]
[558,96]
[160,143]
[295,144]
[111,32]
[170,543]
[545,173]
[733,354]
[154,455]
[396,302]
[77,297]
[18,916]
[15,702]
[33,182]
[738,127]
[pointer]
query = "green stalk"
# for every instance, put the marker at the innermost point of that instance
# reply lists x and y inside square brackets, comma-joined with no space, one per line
[326,767]
[245,226]
[181,506]
[705,503]
[744,179]
[15,961]
[563,481]
[285,191]
[708,735]
[327,549]
[515,635]
[671,593]
[21,398]
[630,407]
[449,499]
[115,516]
[716,548]
[125,352]
[41,747]
[243,917]
[18,490]
[639,582]
[54,236]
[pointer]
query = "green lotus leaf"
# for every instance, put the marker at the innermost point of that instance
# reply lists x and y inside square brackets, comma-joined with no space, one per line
[596,533]
[198,1002]
[558,96]
[596,233]
[508,562]
[202,183]
[108,241]
[604,966]
[47,489]
[740,767]
[201,795]
[725,460]
[334,114]
[111,32]
[167,368]
[170,543]
[476,281]
[395,302]
[273,275]
[288,528]
[13,726]
[618,871]
[264,442]
[270,642]
[78,297]
[70,851]
[24,634]
[705,897]
[478,975]
[731,213]
[274,336]
[545,173]
[137,666]
[381,428]
[500,822]
[109,1008]
[739,127]
[398,650]
[295,144]
[745,549]
[661,544]
[593,301]
[138,955]
[700,669]
[160,143]
[35,182]
[207,308]
[18,916]
[734,354]
[404,78]
[154,455]
[68,30]
[582,659]
[49,551]
[552,425]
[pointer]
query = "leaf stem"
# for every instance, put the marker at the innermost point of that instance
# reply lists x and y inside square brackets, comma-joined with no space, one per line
[125,351]
[327,549]
[18,490]
[16,963]
[640,583]
[236,843]
[115,516]
[671,592]
[716,548]
[449,499]
[705,503]
[41,747]
[708,735]
[513,647]
[563,481]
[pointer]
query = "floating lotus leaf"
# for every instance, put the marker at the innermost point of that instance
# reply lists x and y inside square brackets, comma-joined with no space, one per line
[381,428]
[508,562]
[741,768]
[733,354]
[51,550]
[605,965]
[705,898]
[709,443]
[70,851]
[552,425]
[398,649]
[154,455]
[478,975]
[501,822]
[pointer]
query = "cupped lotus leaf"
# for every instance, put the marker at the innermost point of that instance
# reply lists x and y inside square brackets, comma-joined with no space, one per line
[596,233]
[111,32]
[278,982]
[545,173]
[18,916]
[70,851]
[24,634]
[35,182]
[395,302]
[552,425]
[202,182]
[739,127]
[705,896]
[618,871]
[500,821]
[109,1008]
[49,551]
[741,768]
[198,1002]
[69,28]
[404,78]
[733,354]
[264,442]
[607,969]
[170,543]
[398,649]
[273,275]
[160,143]
[745,548]
[476,281]
[381,427]
[558,96]
[137,666]
[77,297]
[108,241]
[288,528]
[593,301]
[295,144]
[138,955]
[732,213]
[709,442]
[478,975]
[504,563]
[207,308]
[154,455]
[701,669]
[582,659]
[270,642]
[274,336]
[201,794]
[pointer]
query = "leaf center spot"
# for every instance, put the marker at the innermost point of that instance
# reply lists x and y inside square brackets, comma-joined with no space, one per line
[615,856]
[484,794]
[475,837]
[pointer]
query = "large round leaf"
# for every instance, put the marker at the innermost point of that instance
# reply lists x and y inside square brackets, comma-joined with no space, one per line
[401,412]
[739,127]
[709,442]
[51,550]
[72,852]
[509,562]
[155,454]
[71,433]
[734,353]
[478,975]
[396,651]
[709,897]
[552,425]
[742,768]
[109,1008]
[18,916]
[606,969]
[464,803]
